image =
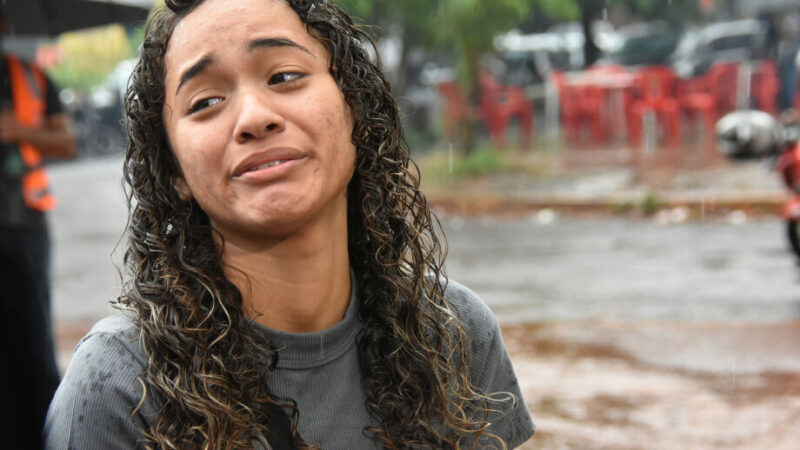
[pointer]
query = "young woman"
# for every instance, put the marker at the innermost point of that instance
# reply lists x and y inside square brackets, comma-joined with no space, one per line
[286,279]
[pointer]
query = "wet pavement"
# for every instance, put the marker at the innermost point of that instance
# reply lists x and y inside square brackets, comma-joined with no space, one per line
[544,267]
[646,385]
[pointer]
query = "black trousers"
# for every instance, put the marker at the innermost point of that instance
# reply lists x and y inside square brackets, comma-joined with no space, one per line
[30,373]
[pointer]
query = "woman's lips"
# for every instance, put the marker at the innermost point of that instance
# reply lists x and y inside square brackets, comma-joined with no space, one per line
[268,159]
[269,171]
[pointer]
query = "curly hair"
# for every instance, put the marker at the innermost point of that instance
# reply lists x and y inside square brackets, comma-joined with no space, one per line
[207,367]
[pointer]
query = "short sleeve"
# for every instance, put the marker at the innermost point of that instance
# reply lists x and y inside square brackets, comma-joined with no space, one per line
[94,405]
[491,369]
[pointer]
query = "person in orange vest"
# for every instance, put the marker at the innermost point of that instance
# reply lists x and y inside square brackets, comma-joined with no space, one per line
[32,127]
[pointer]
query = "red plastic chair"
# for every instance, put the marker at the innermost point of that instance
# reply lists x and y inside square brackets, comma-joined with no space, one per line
[723,80]
[615,116]
[697,102]
[580,105]
[656,90]
[712,95]
[499,104]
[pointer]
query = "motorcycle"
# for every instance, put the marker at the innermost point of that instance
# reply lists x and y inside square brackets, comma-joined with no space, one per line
[747,135]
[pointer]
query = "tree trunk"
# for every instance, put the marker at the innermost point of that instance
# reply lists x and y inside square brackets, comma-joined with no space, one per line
[591,52]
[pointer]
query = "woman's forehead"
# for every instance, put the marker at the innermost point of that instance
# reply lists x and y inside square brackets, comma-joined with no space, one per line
[229,25]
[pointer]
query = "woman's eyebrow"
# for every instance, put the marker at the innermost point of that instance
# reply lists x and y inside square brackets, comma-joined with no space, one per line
[207,61]
[275,42]
[194,70]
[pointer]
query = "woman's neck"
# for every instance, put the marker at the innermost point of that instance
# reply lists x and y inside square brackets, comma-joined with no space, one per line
[299,283]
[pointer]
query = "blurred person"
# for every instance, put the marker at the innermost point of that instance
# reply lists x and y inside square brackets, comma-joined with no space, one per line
[32,127]
[782,45]
[286,284]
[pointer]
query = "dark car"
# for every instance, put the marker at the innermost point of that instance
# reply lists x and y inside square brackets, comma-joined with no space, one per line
[645,44]
[740,40]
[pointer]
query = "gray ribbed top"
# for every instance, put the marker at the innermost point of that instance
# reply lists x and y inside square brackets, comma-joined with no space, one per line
[319,371]
[310,350]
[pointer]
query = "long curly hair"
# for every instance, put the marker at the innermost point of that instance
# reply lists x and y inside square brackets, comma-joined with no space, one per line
[206,365]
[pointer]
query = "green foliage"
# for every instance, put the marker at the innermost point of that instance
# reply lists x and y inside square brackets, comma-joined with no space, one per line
[651,203]
[560,9]
[418,18]
[89,56]
[358,8]
[135,39]
[481,161]
[444,167]
[622,207]
[471,26]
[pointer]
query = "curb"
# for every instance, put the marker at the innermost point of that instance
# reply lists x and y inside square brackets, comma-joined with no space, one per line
[768,202]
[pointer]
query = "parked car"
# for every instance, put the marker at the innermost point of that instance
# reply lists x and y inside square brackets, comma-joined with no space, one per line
[699,49]
[645,44]
[560,48]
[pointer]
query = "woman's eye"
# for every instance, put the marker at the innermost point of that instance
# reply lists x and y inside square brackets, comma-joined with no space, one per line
[203,104]
[285,77]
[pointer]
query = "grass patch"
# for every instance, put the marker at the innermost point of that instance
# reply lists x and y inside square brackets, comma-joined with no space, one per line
[481,161]
[623,207]
[451,166]
[651,203]
[443,166]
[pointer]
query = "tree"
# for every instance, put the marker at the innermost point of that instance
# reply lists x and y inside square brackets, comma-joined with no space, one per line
[89,56]
[464,28]
[471,26]
[416,19]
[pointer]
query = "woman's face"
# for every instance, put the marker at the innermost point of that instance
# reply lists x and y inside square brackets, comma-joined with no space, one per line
[259,127]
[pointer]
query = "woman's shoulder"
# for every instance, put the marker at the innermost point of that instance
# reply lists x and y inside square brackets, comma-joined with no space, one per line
[476,316]
[491,369]
[113,341]
[478,322]
[95,402]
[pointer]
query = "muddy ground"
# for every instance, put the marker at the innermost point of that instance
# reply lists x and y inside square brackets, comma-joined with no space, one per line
[647,385]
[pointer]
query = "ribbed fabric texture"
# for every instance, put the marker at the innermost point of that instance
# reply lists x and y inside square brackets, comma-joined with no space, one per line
[319,371]
[92,407]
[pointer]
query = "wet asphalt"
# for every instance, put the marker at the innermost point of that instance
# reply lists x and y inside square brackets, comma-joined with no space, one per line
[532,269]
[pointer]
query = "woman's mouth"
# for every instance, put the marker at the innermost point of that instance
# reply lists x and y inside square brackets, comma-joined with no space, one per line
[267,160]
[267,165]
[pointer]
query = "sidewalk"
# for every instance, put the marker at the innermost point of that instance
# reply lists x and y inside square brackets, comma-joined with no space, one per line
[537,180]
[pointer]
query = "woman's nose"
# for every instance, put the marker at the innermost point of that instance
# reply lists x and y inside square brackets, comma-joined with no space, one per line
[258,116]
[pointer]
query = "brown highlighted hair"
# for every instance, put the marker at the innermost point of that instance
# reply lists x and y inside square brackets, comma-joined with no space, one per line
[207,367]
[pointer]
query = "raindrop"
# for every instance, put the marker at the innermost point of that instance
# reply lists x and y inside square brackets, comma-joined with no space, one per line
[605,14]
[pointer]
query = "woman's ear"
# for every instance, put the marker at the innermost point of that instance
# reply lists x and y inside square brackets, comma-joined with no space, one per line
[184,193]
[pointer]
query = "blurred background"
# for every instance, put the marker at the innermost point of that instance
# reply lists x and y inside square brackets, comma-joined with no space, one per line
[646,283]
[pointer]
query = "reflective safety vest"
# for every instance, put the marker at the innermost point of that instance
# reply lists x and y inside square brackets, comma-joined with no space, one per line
[28,88]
